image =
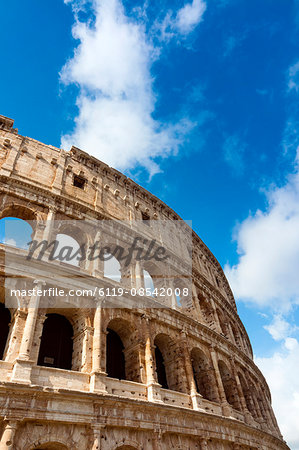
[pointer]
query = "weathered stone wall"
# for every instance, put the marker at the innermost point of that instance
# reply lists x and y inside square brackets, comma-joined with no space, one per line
[217,397]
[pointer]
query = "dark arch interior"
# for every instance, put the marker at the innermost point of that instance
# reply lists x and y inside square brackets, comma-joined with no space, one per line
[56,346]
[4,327]
[115,358]
[160,368]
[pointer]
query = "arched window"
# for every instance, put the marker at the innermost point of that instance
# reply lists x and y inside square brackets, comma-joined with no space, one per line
[56,345]
[247,395]
[126,447]
[160,368]
[223,323]
[203,378]
[122,351]
[169,367]
[236,335]
[229,385]
[4,328]
[115,359]
[182,292]
[112,268]
[15,232]
[148,282]
[51,446]
[67,250]
[207,311]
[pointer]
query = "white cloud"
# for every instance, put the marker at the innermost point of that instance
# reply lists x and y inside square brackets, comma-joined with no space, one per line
[181,23]
[116,100]
[293,81]
[279,328]
[190,16]
[10,241]
[268,244]
[281,372]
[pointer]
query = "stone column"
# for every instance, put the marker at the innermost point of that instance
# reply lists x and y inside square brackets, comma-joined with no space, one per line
[96,266]
[223,400]
[22,368]
[257,408]
[40,320]
[43,228]
[29,328]
[195,396]
[203,444]
[231,334]
[153,387]
[196,301]
[241,396]
[97,431]
[137,274]
[49,222]
[218,326]
[7,439]
[97,379]
[15,335]
[85,363]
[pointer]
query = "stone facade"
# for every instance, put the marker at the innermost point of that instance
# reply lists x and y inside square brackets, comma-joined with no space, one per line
[215,398]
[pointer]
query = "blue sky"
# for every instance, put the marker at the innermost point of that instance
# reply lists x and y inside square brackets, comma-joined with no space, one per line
[197,101]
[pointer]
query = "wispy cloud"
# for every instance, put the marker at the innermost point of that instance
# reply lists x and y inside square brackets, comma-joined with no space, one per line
[116,101]
[266,274]
[293,77]
[189,16]
[233,151]
[178,24]
[268,244]
[281,371]
[280,328]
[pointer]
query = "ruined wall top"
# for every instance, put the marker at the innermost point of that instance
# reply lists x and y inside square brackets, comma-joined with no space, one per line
[83,187]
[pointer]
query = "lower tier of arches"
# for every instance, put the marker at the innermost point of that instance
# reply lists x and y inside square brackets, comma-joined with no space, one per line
[33,419]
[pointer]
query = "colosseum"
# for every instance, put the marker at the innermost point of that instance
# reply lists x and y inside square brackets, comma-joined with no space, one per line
[136,370]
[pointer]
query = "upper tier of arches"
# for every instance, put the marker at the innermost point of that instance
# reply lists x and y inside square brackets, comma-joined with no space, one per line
[87,187]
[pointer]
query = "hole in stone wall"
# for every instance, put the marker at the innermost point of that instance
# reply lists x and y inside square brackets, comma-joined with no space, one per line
[79,182]
[145,218]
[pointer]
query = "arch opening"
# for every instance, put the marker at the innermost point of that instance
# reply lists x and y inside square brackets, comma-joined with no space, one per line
[51,446]
[5,318]
[56,347]
[115,359]
[173,365]
[229,385]
[68,250]
[205,384]
[15,232]
[122,352]
[148,283]
[160,368]
[112,268]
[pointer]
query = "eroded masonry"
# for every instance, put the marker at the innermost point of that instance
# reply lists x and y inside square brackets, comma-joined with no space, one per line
[165,363]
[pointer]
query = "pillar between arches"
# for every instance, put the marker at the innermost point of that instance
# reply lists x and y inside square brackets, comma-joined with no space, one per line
[98,376]
[153,387]
[22,369]
[8,435]
[226,408]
